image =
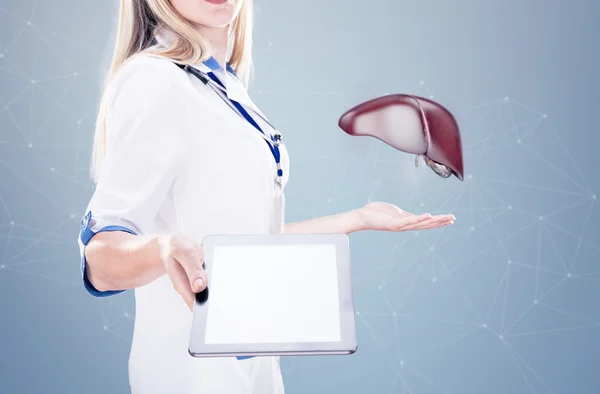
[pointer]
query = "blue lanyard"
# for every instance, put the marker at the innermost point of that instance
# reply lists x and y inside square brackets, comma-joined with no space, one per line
[274,140]
[274,149]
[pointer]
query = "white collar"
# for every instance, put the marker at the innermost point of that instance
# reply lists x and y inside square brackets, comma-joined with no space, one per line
[235,88]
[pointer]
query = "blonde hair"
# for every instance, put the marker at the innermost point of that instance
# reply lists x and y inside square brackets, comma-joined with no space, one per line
[138,23]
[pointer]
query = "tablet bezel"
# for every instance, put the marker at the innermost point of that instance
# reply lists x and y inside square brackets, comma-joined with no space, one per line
[348,342]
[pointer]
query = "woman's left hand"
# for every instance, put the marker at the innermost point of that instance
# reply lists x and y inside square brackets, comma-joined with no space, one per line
[381,216]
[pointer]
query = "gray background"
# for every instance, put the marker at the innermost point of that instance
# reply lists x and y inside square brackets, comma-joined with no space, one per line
[503,301]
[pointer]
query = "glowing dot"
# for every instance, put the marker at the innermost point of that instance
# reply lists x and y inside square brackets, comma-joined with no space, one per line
[75,74]
[518,141]
[379,287]
[28,23]
[535,302]
[484,325]
[105,327]
[416,233]
[469,177]
[402,362]
[126,314]
[329,200]
[30,145]
[501,336]
[422,82]
[431,248]
[270,43]
[431,97]
[541,218]
[357,313]
[434,280]
[594,196]
[422,204]
[79,121]
[2,266]
[33,81]
[510,207]
[72,215]
[472,228]
[394,314]
[12,223]
[52,169]
[509,261]
[569,275]
[544,116]
[506,98]
[1,55]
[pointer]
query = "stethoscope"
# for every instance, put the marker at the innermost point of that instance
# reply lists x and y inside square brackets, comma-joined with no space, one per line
[221,92]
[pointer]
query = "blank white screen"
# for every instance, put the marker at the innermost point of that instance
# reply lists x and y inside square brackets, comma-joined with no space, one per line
[273,294]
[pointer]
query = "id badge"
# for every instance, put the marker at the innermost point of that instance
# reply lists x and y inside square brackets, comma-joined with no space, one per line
[278,221]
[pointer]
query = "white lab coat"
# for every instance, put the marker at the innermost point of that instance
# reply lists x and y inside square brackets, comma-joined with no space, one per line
[179,160]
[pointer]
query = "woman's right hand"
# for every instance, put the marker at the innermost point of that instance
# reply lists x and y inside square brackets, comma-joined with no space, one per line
[183,259]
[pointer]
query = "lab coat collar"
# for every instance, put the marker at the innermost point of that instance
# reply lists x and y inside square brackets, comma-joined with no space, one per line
[165,37]
[214,65]
[234,87]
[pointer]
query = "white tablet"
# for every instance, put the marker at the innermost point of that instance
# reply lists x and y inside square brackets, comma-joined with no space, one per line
[288,294]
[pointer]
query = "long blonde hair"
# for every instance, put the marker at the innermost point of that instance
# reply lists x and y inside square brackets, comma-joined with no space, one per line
[137,25]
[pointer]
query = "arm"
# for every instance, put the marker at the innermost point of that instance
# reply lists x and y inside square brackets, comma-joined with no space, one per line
[117,261]
[347,223]
[373,216]
[145,149]
[143,145]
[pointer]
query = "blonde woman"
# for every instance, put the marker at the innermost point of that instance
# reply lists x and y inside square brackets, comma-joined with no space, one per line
[177,157]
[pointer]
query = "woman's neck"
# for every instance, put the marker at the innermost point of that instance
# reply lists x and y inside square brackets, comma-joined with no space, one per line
[217,37]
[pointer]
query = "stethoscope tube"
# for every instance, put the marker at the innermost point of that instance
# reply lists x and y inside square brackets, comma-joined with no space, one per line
[205,79]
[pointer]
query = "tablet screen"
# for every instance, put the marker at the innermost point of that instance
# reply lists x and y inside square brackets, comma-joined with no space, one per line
[273,294]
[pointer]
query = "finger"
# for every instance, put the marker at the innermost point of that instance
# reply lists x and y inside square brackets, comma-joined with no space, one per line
[181,284]
[200,252]
[445,219]
[401,223]
[191,260]
[447,216]
[440,218]
[432,222]
[430,226]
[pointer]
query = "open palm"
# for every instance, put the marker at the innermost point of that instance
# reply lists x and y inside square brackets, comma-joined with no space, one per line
[382,216]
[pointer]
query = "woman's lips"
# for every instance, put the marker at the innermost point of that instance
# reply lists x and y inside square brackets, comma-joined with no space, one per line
[216,1]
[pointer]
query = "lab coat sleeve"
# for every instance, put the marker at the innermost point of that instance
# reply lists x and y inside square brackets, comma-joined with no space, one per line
[145,129]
